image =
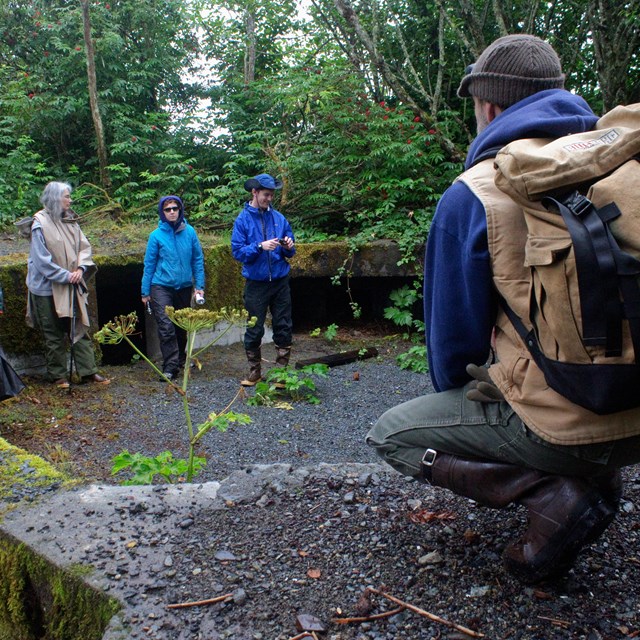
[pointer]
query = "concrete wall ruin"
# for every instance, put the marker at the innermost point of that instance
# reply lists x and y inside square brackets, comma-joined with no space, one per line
[116,290]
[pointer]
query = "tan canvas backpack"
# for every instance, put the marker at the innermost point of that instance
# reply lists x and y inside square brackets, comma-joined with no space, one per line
[581,200]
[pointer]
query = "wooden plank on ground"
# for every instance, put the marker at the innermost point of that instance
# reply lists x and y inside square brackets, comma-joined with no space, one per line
[337,359]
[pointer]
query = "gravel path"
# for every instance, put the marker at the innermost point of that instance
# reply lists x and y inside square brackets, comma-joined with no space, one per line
[138,412]
[311,547]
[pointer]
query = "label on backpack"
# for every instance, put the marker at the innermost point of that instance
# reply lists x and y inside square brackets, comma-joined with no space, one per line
[608,138]
[533,168]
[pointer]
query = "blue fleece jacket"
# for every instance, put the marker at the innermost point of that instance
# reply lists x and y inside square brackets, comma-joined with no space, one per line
[174,257]
[253,226]
[460,301]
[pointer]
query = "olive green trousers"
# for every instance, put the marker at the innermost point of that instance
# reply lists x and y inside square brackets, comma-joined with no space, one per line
[55,332]
[449,422]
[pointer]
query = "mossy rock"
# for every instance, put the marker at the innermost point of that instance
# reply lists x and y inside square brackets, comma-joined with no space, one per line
[37,599]
[23,473]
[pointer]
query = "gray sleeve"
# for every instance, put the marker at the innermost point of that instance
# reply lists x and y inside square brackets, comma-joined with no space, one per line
[42,261]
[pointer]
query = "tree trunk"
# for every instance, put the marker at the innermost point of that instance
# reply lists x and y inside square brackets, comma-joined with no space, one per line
[250,53]
[616,40]
[105,180]
[380,65]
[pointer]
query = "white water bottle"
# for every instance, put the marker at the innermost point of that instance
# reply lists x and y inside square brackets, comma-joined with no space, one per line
[199,298]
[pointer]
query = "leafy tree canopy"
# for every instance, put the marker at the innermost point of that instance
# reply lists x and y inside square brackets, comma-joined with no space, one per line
[352,103]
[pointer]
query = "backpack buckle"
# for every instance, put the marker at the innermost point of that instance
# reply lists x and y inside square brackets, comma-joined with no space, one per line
[578,204]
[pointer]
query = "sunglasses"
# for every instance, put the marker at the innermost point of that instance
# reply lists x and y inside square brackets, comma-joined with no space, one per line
[169,209]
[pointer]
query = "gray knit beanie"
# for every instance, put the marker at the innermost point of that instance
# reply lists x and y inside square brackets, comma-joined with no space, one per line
[511,69]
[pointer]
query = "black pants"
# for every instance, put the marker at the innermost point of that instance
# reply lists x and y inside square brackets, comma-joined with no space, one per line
[173,340]
[274,296]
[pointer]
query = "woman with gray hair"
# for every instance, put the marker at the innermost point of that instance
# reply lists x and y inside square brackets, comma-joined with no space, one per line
[59,265]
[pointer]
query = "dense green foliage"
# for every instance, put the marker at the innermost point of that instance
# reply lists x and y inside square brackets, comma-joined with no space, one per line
[144,50]
[348,163]
[353,104]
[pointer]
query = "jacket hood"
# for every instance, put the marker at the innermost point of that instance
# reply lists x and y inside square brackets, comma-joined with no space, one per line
[163,218]
[546,114]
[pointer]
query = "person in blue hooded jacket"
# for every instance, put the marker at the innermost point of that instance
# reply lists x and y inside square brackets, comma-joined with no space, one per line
[262,240]
[173,265]
[467,437]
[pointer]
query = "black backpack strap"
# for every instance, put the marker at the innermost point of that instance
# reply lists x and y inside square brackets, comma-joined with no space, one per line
[604,273]
[518,325]
[628,269]
[597,273]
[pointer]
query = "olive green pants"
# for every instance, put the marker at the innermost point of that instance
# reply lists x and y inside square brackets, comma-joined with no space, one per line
[55,332]
[450,423]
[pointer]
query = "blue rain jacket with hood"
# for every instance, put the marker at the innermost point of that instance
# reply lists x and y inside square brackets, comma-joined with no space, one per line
[174,257]
[253,226]
[460,300]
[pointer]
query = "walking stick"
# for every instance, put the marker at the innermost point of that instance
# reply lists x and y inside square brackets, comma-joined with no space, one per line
[72,333]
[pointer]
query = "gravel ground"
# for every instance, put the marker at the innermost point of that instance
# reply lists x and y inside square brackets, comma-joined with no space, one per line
[83,429]
[311,548]
[313,551]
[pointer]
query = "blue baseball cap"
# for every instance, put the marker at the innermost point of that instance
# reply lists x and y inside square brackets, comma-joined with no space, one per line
[262,181]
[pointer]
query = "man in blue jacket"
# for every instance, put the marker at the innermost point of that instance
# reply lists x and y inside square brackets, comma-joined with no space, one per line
[262,240]
[467,437]
[173,264]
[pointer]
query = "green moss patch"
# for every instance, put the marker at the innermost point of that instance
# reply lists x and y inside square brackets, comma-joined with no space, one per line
[40,601]
[224,281]
[24,476]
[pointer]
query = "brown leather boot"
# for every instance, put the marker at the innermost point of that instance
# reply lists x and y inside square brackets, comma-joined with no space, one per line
[610,485]
[282,356]
[282,360]
[255,373]
[565,513]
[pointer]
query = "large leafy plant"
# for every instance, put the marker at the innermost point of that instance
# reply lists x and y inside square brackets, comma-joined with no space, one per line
[286,382]
[192,321]
[403,313]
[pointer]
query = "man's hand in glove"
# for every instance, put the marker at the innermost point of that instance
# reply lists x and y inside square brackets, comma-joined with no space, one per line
[483,389]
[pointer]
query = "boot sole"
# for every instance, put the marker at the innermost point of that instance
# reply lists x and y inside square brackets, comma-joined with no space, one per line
[585,530]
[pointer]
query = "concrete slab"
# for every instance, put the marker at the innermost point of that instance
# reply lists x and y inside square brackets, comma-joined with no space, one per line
[126,537]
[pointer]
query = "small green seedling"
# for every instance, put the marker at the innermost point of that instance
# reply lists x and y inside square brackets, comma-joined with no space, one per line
[286,381]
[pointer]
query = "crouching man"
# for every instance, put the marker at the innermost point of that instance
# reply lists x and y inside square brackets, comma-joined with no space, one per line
[501,435]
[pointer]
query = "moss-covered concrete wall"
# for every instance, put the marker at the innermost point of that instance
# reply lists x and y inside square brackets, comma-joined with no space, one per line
[39,600]
[224,280]
[379,258]
[15,336]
